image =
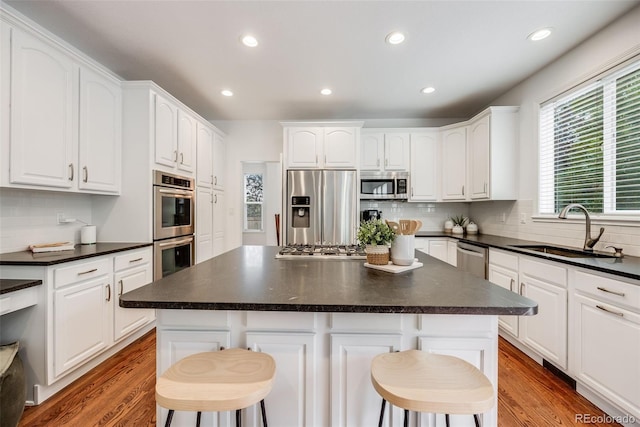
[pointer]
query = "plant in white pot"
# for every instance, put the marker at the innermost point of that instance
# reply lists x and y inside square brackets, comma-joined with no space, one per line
[376,236]
[458,224]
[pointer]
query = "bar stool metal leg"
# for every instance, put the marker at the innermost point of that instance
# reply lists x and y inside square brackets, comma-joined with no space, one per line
[384,402]
[198,416]
[264,413]
[406,418]
[446,420]
[238,418]
[476,418]
[169,418]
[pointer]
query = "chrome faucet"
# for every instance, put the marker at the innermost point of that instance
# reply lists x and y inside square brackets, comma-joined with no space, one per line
[589,243]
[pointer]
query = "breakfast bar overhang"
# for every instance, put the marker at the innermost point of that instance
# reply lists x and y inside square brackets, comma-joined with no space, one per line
[323,321]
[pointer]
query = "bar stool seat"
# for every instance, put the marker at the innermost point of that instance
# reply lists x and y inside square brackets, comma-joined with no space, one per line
[225,380]
[424,382]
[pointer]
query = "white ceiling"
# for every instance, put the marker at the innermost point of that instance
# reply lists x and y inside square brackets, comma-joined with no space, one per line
[470,51]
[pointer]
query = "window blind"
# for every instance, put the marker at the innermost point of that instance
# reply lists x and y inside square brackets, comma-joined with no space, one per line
[590,146]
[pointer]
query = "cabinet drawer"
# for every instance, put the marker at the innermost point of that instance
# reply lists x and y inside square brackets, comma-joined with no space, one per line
[79,272]
[503,259]
[544,271]
[132,259]
[606,289]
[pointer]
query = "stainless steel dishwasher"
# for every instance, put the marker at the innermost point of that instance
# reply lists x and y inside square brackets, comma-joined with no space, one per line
[473,259]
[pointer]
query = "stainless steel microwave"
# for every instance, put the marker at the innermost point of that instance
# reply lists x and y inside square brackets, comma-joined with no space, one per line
[384,185]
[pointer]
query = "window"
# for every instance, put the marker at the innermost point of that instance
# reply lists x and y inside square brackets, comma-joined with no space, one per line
[253,197]
[590,146]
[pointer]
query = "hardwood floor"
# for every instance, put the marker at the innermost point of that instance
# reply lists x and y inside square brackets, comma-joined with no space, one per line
[120,392]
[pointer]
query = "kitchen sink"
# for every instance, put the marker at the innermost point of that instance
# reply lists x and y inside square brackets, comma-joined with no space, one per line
[565,252]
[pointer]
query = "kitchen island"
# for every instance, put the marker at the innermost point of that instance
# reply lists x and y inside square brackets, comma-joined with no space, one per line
[323,321]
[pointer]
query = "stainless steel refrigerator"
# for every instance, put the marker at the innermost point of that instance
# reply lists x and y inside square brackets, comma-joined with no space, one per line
[321,206]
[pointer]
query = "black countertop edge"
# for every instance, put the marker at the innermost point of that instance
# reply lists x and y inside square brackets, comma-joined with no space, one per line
[163,305]
[12,285]
[628,266]
[80,252]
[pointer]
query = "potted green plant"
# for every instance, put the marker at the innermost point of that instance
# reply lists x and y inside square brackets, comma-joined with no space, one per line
[458,224]
[376,236]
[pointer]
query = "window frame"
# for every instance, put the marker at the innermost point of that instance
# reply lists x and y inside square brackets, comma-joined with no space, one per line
[245,205]
[609,215]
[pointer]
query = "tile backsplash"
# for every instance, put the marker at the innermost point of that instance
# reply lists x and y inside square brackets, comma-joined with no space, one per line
[30,217]
[432,215]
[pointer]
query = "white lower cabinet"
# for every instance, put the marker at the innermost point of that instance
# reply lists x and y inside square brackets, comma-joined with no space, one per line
[606,339]
[219,223]
[545,332]
[295,383]
[132,270]
[352,395]
[503,271]
[478,352]
[177,344]
[81,322]
[442,249]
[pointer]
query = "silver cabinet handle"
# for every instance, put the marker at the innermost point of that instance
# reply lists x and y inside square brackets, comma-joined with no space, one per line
[135,260]
[175,155]
[463,190]
[211,179]
[182,158]
[522,288]
[513,282]
[215,179]
[485,187]
[211,198]
[411,191]
[325,158]
[108,292]
[85,172]
[610,311]
[215,198]
[121,287]
[620,294]
[93,270]
[71,172]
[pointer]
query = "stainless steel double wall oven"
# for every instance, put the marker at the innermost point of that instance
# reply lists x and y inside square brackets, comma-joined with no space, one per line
[173,223]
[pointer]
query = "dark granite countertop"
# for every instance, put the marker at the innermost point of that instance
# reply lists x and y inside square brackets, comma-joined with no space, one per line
[12,285]
[628,266]
[80,252]
[250,278]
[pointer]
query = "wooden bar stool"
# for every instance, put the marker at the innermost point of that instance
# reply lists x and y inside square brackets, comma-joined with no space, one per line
[217,381]
[424,382]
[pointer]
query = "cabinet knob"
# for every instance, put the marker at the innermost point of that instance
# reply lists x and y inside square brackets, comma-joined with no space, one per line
[513,282]
[71,172]
[182,158]
[121,287]
[463,190]
[522,288]
[85,172]
[108,292]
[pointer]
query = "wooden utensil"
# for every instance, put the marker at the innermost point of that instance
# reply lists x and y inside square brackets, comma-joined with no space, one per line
[405,224]
[394,226]
[417,226]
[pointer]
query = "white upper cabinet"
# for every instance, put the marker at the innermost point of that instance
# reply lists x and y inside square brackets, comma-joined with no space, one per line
[219,161]
[175,132]
[424,166]
[43,114]
[204,156]
[187,139]
[331,147]
[454,163]
[492,143]
[100,132]
[67,113]
[384,151]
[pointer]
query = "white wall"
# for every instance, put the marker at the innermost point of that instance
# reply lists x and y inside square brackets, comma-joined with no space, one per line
[249,141]
[30,217]
[615,43]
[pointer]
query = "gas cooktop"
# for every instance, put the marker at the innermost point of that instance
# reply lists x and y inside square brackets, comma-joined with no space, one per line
[321,252]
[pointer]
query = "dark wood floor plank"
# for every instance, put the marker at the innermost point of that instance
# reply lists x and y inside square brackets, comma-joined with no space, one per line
[121,392]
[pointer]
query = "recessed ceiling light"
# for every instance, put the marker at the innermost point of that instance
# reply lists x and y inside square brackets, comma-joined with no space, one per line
[428,89]
[326,91]
[540,34]
[227,92]
[249,40]
[395,37]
